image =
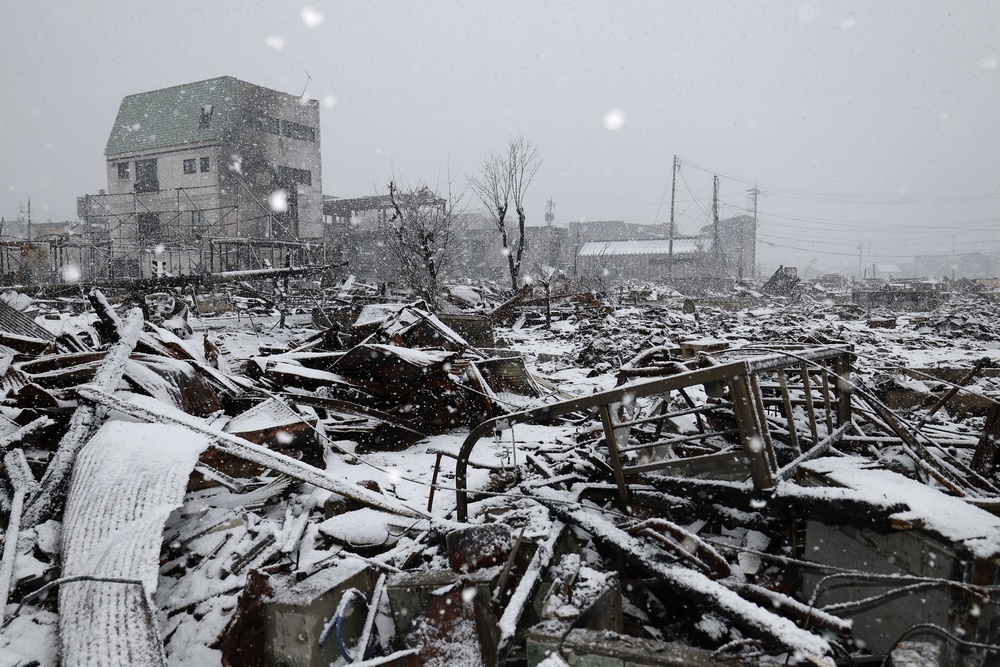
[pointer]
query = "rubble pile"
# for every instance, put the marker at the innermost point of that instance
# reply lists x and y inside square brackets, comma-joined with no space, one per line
[658,483]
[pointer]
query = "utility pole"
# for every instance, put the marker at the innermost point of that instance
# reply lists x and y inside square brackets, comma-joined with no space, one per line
[29,219]
[672,231]
[716,236]
[752,194]
[550,215]
[952,248]
[861,248]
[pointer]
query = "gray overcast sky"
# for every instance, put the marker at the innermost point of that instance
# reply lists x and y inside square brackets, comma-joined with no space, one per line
[871,123]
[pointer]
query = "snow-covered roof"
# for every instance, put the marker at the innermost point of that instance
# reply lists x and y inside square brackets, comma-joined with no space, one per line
[647,247]
[948,516]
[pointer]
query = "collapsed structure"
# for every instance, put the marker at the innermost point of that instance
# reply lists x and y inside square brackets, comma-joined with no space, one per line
[646,485]
[223,175]
[193,172]
[545,478]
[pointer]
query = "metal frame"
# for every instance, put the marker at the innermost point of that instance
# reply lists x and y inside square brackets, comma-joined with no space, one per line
[748,404]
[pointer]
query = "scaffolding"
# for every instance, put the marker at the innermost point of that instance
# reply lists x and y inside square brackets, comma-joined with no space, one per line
[182,231]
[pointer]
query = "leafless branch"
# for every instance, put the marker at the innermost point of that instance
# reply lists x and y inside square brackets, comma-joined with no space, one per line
[420,235]
[502,181]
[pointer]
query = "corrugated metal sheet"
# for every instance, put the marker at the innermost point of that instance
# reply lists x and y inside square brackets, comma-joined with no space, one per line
[126,481]
[17,323]
[648,247]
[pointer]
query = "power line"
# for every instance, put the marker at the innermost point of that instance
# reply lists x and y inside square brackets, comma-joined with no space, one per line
[972,194]
[876,255]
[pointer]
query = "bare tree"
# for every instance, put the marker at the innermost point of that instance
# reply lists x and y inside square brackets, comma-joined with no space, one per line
[503,180]
[419,237]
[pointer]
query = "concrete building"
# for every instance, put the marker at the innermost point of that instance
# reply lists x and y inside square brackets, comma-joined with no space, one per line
[965,265]
[737,246]
[614,251]
[207,176]
[650,259]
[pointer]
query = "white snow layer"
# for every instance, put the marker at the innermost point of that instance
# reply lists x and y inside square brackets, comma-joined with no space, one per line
[947,516]
[125,483]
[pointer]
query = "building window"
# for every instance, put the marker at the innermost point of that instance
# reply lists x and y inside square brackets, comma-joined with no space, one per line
[146,178]
[189,166]
[205,164]
[123,171]
[258,121]
[296,131]
[289,176]
[199,224]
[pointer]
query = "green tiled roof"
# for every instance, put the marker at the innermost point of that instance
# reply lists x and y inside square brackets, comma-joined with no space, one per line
[172,116]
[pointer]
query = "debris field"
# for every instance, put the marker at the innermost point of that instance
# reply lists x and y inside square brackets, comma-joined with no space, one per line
[643,479]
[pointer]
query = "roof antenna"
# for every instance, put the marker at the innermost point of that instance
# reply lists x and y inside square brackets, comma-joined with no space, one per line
[308,79]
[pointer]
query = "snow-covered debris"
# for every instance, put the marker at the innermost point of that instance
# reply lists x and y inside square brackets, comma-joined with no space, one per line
[635,512]
[125,483]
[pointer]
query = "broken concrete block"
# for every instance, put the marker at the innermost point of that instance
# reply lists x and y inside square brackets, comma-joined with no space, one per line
[293,614]
[478,546]
[591,648]
[448,618]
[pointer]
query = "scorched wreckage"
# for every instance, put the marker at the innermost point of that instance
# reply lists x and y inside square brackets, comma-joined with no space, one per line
[629,484]
[243,453]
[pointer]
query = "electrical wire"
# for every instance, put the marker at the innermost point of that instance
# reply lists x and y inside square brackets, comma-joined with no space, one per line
[973,194]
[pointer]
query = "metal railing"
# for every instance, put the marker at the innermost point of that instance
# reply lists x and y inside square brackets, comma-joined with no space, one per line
[813,378]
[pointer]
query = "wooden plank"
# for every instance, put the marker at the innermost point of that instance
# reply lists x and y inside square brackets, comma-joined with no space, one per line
[151,410]
[23,483]
[84,422]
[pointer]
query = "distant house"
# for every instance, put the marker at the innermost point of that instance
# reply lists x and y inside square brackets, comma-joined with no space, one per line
[641,252]
[191,167]
[737,246]
[966,265]
[651,259]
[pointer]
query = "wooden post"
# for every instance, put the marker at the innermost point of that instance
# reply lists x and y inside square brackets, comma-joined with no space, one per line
[24,483]
[616,463]
[793,436]
[810,409]
[753,439]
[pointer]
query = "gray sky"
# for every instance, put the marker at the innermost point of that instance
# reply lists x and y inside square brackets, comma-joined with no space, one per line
[863,123]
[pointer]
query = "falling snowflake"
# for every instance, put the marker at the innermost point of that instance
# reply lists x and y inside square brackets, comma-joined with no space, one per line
[311,17]
[275,42]
[71,273]
[278,201]
[614,119]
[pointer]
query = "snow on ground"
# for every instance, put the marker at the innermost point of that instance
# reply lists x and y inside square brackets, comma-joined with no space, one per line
[578,356]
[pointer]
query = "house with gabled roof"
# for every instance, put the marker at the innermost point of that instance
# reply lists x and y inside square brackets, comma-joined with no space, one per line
[195,167]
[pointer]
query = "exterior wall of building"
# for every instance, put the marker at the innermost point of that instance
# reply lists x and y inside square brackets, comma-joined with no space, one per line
[255,141]
[650,267]
[169,168]
[548,246]
[265,157]
[739,242]
[481,254]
